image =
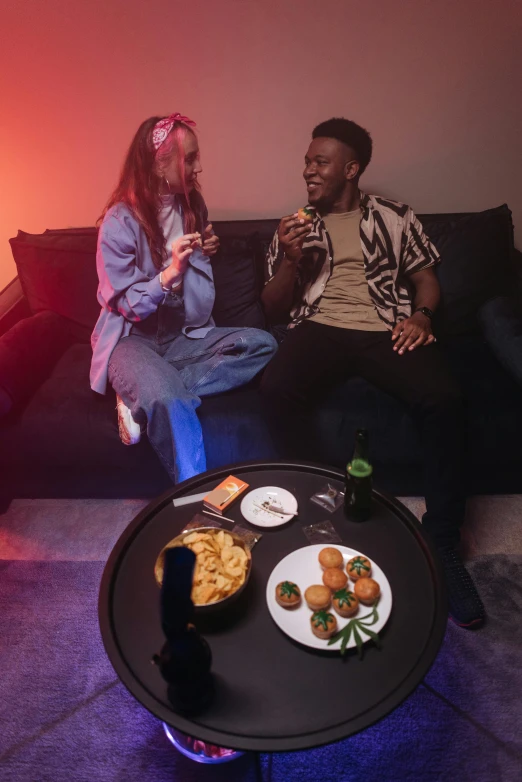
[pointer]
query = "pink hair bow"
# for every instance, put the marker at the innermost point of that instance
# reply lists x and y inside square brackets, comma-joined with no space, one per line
[164,126]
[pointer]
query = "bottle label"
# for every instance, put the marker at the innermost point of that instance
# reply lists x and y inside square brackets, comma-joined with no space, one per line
[359,468]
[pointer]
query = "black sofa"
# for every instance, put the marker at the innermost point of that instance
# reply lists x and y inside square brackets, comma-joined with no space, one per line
[59,439]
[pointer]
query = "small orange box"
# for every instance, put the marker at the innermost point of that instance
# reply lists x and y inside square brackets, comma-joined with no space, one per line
[223,495]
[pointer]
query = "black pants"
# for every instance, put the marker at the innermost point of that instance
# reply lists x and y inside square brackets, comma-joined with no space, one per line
[313,357]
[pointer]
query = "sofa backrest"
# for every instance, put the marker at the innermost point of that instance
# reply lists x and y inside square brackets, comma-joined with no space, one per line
[57,269]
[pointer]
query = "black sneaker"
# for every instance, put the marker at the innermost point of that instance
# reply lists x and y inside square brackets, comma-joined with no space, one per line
[465,606]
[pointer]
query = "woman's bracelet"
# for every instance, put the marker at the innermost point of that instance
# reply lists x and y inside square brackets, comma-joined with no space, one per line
[174,286]
[163,287]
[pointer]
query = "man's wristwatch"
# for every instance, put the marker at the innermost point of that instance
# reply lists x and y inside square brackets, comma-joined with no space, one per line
[425,311]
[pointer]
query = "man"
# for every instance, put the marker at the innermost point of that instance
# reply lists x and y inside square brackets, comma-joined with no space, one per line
[359,286]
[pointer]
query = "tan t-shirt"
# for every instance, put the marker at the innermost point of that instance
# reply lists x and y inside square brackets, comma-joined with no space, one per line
[346,301]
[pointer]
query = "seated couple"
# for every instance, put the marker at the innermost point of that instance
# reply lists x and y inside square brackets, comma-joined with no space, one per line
[356,280]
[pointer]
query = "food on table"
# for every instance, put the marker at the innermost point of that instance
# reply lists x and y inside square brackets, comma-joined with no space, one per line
[334,578]
[288,594]
[345,603]
[306,213]
[323,624]
[330,557]
[221,568]
[367,590]
[318,597]
[359,567]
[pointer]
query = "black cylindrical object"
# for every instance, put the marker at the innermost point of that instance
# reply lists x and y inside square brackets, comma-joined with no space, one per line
[185,659]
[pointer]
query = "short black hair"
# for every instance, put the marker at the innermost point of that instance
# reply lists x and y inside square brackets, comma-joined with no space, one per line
[350,134]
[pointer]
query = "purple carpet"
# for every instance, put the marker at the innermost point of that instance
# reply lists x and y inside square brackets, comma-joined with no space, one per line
[65,716]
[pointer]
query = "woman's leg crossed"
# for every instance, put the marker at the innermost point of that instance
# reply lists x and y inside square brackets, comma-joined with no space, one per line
[156,394]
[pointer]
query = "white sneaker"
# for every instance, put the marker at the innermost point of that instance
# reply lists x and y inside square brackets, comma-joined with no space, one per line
[130,431]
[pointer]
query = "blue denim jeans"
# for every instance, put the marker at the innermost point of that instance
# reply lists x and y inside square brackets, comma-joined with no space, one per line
[161,376]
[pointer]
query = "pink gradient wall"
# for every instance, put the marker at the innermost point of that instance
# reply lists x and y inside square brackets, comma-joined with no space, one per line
[436,82]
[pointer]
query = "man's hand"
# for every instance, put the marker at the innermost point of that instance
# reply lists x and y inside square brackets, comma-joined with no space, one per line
[210,241]
[412,333]
[292,232]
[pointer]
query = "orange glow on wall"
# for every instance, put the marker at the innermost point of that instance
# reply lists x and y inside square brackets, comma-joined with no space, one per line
[433,82]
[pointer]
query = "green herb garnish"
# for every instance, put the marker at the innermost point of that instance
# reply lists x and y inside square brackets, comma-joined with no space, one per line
[321,618]
[287,589]
[345,597]
[358,626]
[358,564]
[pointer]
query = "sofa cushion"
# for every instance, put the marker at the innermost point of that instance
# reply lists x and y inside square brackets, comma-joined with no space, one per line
[501,321]
[236,282]
[65,441]
[28,353]
[78,418]
[477,263]
[57,270]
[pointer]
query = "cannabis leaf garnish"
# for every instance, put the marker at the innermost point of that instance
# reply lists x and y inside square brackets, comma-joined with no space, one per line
[344,597]
[287,589]
[358,626]
[321,618]
[358,564]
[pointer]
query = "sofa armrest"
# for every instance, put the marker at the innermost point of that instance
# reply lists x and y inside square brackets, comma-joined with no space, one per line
[28,352]
[13,305]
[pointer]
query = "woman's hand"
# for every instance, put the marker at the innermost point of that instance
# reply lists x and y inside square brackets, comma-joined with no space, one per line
[412,332]
[182,249]
[210,241]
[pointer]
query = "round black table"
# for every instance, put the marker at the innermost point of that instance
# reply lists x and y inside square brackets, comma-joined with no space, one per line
[272,694]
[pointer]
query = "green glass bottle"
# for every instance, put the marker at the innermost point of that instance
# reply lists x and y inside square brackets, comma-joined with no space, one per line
[358,485]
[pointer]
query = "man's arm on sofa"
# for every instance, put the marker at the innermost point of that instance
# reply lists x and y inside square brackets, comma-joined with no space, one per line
[416,330]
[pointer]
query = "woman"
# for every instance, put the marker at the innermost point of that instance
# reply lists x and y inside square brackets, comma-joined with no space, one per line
[155,341]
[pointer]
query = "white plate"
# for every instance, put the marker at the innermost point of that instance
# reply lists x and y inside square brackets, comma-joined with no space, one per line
[252,506]
[303,568]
